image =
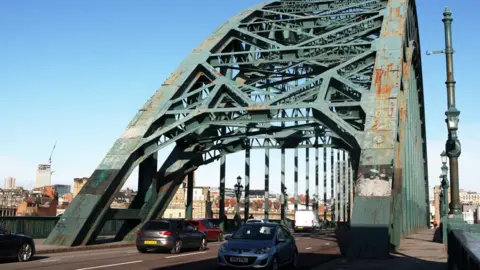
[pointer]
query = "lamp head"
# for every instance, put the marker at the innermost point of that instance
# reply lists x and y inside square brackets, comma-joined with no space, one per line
[443,156]
[239,179]
[452,118]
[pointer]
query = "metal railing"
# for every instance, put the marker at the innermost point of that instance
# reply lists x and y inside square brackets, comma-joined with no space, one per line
[463,250]
[40,227]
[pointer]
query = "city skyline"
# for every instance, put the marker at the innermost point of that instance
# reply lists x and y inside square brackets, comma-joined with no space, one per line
[105,82]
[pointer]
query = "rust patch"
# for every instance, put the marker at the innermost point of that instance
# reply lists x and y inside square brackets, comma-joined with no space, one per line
[395,12]
[174,76]
[254,107]
[384,82]
[375,125]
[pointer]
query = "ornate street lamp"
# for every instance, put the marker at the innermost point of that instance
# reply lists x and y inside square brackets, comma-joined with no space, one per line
[452,146]
[238,193]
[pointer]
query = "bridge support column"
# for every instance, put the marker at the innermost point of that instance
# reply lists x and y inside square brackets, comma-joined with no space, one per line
[333,208]
[338,188]
[189,208]
[282,187]
[295,179]
[344,188]
[307,178]
[317,194]
[221,210]
[267,181]
[247,182]
[325,208]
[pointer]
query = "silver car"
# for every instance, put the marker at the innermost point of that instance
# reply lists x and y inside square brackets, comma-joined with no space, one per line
[170,234]
[259,245]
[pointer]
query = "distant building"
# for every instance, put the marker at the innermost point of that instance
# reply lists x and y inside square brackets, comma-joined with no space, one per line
[10,182]
[78,184]
[44,175]
[62,189]
[44,204]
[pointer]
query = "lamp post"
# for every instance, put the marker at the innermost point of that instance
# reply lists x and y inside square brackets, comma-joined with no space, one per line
[452,146]
[238,193]
[444,183]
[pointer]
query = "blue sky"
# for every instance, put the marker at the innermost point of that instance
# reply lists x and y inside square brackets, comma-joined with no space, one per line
[77,72]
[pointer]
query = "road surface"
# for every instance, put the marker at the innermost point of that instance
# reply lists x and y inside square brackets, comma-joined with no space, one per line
[313,252]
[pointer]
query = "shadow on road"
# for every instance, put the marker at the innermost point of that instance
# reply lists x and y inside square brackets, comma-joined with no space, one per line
[305,261]
[34,258]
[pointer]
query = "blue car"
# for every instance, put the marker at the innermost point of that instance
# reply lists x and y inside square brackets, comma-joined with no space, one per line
[259,245]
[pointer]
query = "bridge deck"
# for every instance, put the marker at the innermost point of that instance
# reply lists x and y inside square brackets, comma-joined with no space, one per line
[417,251]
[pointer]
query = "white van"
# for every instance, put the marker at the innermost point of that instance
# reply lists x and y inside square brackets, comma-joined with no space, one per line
[306,220]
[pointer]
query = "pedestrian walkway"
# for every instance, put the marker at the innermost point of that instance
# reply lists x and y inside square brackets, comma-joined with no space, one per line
[102,243]
[416,252]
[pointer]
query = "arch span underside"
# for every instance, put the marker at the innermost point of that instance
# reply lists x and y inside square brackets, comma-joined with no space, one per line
[286,74]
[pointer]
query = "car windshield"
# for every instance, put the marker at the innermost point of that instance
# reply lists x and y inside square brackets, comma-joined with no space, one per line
[157,226]
[254,232]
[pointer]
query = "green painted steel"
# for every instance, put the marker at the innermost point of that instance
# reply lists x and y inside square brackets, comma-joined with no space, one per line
[40,227]
[284,74]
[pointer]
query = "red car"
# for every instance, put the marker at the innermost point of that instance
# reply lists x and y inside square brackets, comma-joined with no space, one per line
[213,233]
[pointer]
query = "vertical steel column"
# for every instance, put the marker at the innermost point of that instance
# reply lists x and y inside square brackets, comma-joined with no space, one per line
[349,190]
[317,193]
[332,188]
[247,180]
[344,188]
[282,178]
[307,170]
[339,187]
[267,184]
[324,181]
[221,212]
[189,208]
[307,179]
[295,175]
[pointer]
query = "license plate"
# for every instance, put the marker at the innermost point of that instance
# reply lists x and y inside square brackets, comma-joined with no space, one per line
[299,227]
[150,242]
[239,259]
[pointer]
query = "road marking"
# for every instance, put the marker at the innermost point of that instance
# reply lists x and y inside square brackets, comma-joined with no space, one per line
[108,265]
[308,248]
[55,260]
[183,255]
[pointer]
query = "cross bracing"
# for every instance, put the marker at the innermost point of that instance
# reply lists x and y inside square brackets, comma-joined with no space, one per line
[286,74]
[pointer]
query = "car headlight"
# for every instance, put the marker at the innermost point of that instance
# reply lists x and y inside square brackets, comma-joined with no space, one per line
[263,250]
[223,248]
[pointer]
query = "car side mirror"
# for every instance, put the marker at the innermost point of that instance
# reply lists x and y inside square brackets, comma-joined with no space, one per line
[228,237]
[281,240]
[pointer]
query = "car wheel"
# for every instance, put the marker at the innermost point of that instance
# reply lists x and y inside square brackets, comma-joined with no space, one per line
[220,237]
[141,250]
[203,244]
[25,252]
[274,264]
[177,247]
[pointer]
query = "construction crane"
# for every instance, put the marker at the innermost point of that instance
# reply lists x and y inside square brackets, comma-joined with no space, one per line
[50,158]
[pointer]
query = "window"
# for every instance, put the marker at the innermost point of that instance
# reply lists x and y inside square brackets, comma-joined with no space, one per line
[281,233]
[156,226]
[254,232]
[179,214]
[206,223]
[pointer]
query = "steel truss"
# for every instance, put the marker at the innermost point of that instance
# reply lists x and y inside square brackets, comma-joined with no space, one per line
[286,74]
